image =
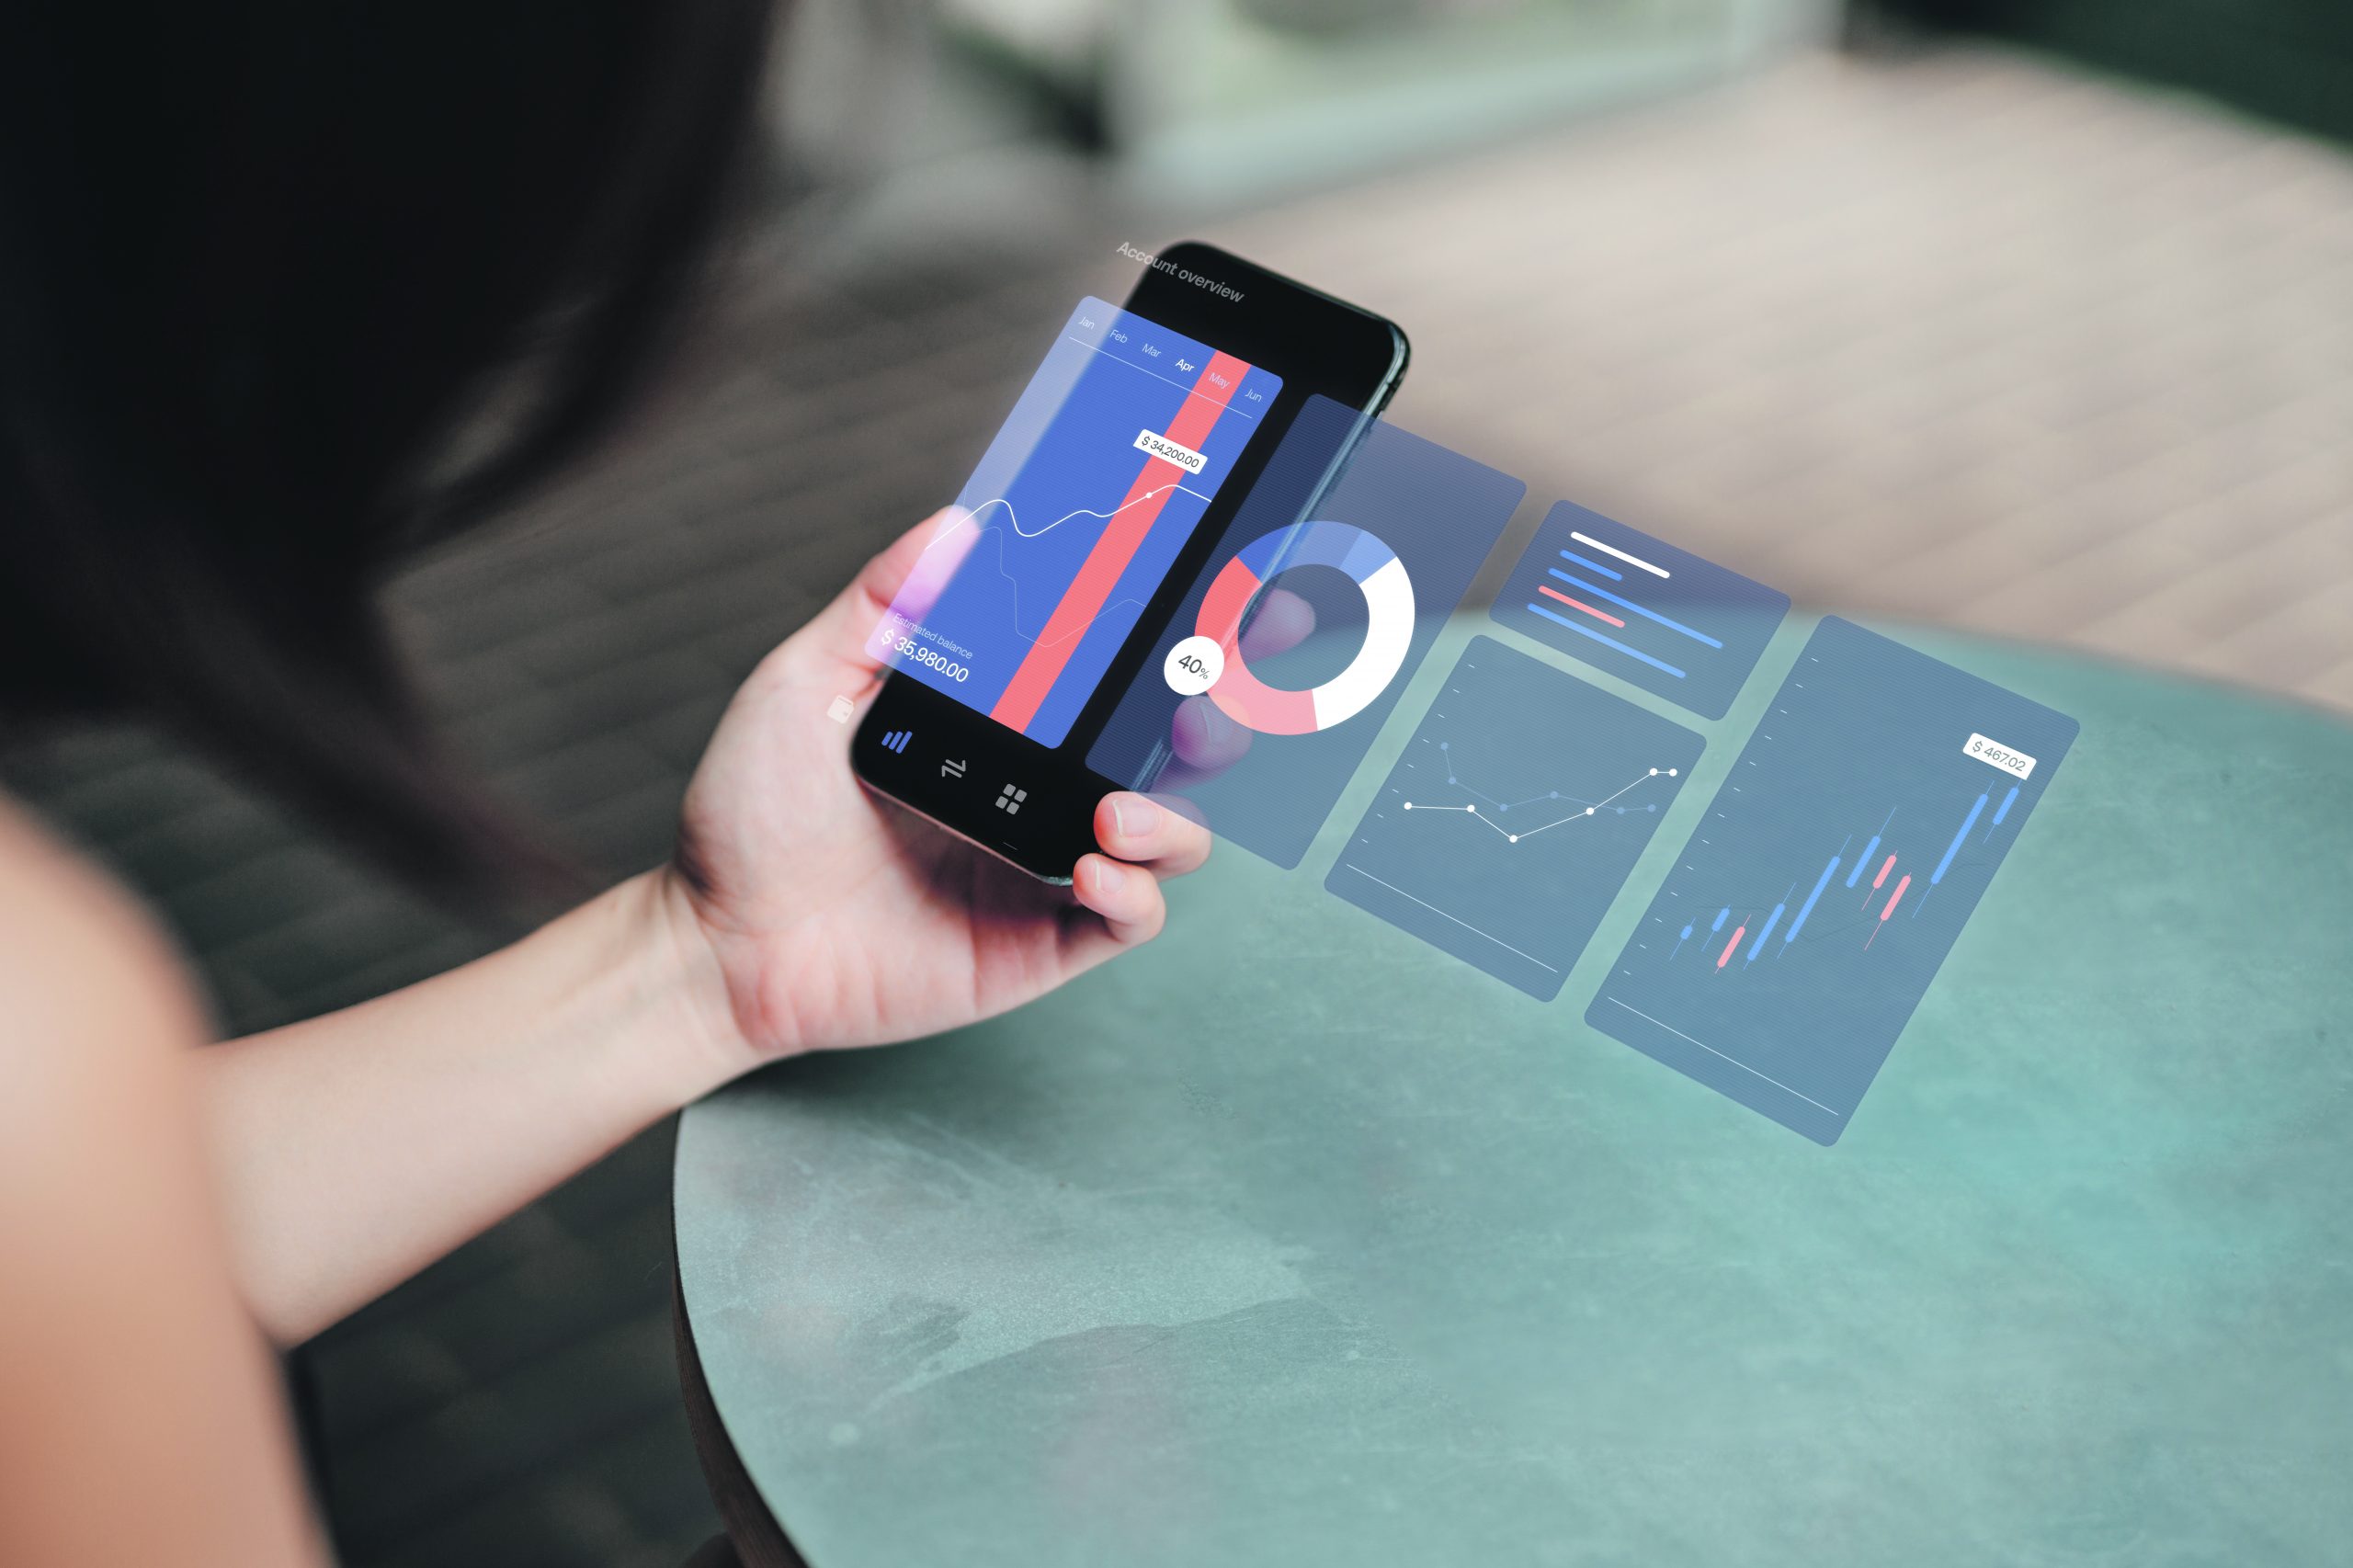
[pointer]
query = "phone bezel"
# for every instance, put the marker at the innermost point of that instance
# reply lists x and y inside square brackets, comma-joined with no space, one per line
[1319,346]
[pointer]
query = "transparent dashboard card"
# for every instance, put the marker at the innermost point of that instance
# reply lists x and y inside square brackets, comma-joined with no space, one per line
[1630,603]
[1310,618]
[1832,873]
[1514,817]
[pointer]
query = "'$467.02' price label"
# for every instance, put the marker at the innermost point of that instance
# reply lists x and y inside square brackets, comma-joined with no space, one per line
[2015,763]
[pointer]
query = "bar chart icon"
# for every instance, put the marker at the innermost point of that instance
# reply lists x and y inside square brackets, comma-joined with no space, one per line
[1621,600]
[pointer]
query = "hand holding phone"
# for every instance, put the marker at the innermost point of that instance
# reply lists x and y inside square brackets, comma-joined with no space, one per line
[1026,615]
[831,919]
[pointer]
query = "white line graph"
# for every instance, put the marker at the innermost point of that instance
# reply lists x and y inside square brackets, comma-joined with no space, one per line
[973,515]
[1473,812]
[1014,518]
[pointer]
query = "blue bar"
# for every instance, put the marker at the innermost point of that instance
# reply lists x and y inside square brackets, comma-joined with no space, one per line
[1807,907]
[1593,566]
[1606,642]
[1866,859]
[1638,610]
[1954,848]
[2004,809]
[1720,920]
[1758,946]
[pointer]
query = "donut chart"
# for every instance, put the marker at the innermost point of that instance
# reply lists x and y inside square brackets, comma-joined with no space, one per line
[1387,636]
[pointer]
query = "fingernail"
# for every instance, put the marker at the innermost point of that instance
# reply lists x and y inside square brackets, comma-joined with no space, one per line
[1132,816]
[1107,877]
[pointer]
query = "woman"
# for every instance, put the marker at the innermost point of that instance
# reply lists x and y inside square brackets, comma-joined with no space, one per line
[282,290]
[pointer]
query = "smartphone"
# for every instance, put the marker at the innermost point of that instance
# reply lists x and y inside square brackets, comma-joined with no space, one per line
[1092,513]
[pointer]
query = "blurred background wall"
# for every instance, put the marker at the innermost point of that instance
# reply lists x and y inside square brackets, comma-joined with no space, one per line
[2286,59]
[2026,317]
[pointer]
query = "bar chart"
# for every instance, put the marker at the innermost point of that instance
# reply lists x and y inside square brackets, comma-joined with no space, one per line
[1830,877]
[1621,600]
[1514,817]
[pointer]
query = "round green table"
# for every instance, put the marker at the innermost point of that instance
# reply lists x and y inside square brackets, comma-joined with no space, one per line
[1291,1240]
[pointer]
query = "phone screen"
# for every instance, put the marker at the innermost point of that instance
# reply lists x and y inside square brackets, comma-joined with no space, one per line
[1076,514]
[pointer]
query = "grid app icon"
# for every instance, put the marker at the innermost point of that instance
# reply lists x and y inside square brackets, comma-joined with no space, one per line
[1009,798]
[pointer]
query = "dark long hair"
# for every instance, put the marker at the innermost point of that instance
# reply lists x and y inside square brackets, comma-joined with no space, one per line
[289,286]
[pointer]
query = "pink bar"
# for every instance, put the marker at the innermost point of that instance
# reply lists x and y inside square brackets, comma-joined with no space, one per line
[1883,870]
[1123,535]
[1579,604]
[1891,903]
[1737,932]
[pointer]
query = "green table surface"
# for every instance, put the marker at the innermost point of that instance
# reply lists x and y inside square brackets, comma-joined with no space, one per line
[1290,1240]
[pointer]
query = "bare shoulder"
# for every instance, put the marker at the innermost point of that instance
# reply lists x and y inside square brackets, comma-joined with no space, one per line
[129,1367]
[90,984]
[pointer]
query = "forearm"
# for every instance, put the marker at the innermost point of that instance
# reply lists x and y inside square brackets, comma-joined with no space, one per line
[357,1147]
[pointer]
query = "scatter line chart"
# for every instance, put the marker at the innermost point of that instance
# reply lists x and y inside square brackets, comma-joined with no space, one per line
[1569,784]
[1498,810]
